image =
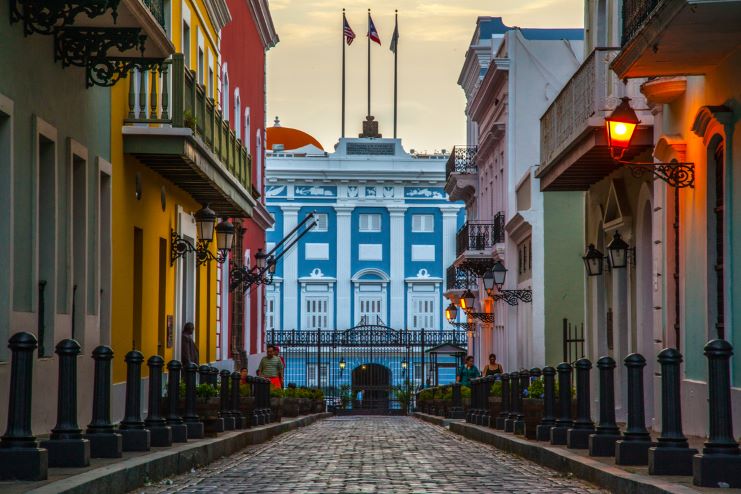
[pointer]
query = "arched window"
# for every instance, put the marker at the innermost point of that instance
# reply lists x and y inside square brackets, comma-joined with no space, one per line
[237,114]
[257,159]
[225,92]
[247,129]
[716,233]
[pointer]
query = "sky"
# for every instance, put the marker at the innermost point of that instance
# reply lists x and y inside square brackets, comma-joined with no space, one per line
[305,68]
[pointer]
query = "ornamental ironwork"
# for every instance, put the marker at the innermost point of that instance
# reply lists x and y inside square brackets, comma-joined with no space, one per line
[82,46]
[462,160]
[635,15]
[459,279]
[476,235]
[44,17]
[513,297]
[476,267]
[675,174]
[368,335]
[180,246]
[485,317]
[107,72]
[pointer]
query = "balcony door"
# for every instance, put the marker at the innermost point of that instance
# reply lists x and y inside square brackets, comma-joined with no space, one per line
[185,302]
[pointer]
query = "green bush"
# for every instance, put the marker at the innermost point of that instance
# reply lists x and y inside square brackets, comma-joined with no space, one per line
[425,394]
[465,392]
[536,389]
[205,391]
[245,390]
[496,389]
[276,392]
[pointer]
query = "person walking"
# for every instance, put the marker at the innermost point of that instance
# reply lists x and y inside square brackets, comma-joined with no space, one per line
[493,367]
[271,367]
[467,372]
[188,350]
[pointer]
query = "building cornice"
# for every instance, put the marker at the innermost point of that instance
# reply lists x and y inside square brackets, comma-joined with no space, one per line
[218,12]
[260,11]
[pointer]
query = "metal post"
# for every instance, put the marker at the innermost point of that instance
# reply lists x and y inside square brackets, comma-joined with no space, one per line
[578,436]
[520,419]
[224,408]
[485,417]
[104,441]
[602,442]
[564,422]
[239,421]
[720,461]
[20,455]
[160,432]
[514,389]
[174,420]
[633,448]
[66,446]
[543,431]
[204,375]
[456,411]
[192,421]
[501,419]
[135,436]
[672,455]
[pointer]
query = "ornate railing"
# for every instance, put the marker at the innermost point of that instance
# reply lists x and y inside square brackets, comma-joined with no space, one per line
[459,279]
[635,15]
[582,97]
[157,9]
[365,336]
[475,235]
[171,97]
[461,160]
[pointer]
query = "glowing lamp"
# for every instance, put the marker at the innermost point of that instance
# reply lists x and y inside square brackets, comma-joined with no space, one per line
[451,312]
[467,300]
[620,125]
[593,261]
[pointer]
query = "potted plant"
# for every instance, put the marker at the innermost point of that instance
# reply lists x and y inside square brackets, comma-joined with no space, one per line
[318,398]
[403,394]
[533,406]
[345,396]
[276,401]
[495,400]
[246,401]
[290,401]
[207,406]
[304,400]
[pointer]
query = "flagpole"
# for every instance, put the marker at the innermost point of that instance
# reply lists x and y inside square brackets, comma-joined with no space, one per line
[396,54]
[369,64]
[343,72]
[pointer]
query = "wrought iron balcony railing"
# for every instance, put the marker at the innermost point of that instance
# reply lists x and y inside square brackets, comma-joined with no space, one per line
[461,160]
[459,279]
[157,9]
[475,235]
[635,15]
[171,97]
[583,97]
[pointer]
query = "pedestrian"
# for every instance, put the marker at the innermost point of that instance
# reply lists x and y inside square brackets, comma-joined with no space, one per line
[493,367]
[188,350]
[271,367]
[243,375]
[467,372]
[277,353]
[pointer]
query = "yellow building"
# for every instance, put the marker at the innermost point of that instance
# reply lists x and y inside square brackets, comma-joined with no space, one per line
[172,153]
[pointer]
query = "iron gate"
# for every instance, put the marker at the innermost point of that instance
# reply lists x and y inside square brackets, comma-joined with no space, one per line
[368,369]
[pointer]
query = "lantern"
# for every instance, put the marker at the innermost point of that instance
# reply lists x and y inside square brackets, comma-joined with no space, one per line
[593,261]
[620,126]
[618,251]
[205,221]
[224,236]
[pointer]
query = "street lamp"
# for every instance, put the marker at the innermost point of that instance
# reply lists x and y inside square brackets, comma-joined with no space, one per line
[224,236]
[451,312]
[499,273]
[620,125]
[495,277]
[342,365]
[205,227]
[205,222]
[593,261]
[467,300]
[618,251]
[488,280]
[404,367]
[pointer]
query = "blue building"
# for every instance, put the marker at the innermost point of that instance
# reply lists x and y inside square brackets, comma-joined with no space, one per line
[385,234]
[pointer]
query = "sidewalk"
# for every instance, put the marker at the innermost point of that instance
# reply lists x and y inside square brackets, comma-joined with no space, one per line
[599,471]
[121,475]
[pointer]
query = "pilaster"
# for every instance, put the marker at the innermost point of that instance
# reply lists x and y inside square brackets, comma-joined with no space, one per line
[344,251]
[397,253]
[290,272]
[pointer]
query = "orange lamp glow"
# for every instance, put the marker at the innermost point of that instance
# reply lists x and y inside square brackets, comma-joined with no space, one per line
[620,126]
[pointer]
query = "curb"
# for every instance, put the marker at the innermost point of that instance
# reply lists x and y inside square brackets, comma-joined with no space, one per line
[131,473]
[603,475]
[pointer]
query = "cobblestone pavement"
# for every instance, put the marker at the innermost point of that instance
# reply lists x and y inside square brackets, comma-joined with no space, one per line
[371,454]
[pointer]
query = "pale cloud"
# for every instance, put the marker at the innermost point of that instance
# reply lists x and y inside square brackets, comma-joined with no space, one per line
[304,68]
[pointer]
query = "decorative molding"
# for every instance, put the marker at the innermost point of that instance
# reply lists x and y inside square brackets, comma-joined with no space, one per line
[664,89]
[711,120]
[260,11]
[218,12]
[670,147]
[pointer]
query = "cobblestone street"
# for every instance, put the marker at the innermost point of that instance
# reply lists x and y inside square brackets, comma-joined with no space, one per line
[371,454]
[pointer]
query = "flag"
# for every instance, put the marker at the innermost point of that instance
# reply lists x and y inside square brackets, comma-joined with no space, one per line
[394,39]
[349,33]
[372,33]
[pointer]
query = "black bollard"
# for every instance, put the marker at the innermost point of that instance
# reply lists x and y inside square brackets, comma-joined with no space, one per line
[474,409]
[266,401]
[672,455]
[66,446]
[578,436]
[135,436]
[160,432]
[520,420]
[602,442]
[174,420]
[204,375]
[543,431]
[719,464]
[477,405]
[485,417]
[456,411]
[239,421]
[20,455]
[499,423]
[632,449]
[563,422]
[514,386]
[191,418]
[213,376]
[225,411]
[105,442]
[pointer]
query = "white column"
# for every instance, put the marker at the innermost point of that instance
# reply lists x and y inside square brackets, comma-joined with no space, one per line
[396,317]
[344,251]
[290,272]
[450,223]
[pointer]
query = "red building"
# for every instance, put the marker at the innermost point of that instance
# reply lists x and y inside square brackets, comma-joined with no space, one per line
[244,44]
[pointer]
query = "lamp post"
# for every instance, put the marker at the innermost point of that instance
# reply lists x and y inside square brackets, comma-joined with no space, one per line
[205,228]
[496,277]
[593,261]
[342,365]
[403,367]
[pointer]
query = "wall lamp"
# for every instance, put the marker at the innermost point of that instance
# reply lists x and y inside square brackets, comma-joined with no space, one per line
[342,365]
[205,228]
[468,299]
[620,126]
[495,277]
[619,254]
[451,314]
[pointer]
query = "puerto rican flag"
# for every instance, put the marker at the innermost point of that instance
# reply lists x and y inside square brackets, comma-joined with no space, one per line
[372,33]
[349,33]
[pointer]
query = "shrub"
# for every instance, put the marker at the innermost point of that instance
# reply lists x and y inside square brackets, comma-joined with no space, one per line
[205,391]
[496,389]
[536,389]
[465,392]
[245,390]
[276,392]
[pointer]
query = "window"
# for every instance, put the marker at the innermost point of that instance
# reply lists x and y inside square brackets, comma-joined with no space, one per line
[201,57]
[524,260]
[186,43]
[370,222]
[423,313]
[316,312]
[225,93]
[311,374]
[270,312]
[423,223]
[210,82]
[321,223]
[370,309]
[417,373]
[237,114]
[248,132]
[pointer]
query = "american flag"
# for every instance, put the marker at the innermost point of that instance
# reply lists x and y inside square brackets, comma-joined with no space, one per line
[372,33]
[349,34]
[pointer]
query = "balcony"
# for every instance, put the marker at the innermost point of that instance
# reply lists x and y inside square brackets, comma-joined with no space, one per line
[676,37]
[106,38]
[461,174]
[177,130]
[573,145]
[459,279]
[476,243]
